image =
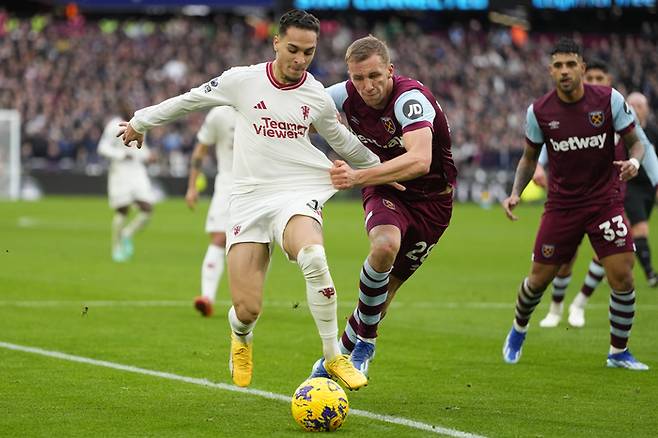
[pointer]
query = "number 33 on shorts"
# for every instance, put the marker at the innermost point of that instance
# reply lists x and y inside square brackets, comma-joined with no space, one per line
[614,228]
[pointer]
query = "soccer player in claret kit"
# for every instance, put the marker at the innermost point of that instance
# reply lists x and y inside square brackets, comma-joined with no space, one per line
[400,120]
[596,73]
[578,124]
[281,182]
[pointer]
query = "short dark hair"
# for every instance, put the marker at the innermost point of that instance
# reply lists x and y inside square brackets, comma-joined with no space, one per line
[300,19]
[566,45]
[596,64]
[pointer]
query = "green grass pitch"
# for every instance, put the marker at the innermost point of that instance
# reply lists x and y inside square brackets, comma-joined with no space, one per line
[438,359]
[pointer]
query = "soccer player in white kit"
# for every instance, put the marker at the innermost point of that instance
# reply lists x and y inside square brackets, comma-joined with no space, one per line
[127,184]
[281,182]
[217,130]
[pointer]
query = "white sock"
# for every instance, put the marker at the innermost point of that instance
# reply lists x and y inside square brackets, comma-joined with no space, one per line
[136,224]
[556,308]
[321,296]
[118,221]
[243,331]
[580,300]
[211,271]
[615,350]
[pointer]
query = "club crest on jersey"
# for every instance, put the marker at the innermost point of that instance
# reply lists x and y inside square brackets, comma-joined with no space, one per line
[388,204]
[548,251]
[388,124]
[236,230]
[554,124]
[596,118]
[305,111]
[328,292]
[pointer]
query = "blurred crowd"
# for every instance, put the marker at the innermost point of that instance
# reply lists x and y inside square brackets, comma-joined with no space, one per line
[65,75]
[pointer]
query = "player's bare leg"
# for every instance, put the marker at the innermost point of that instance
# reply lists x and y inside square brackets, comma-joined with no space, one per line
[529,295]
[302,241]
[619,271]
[247,267]
[211,273]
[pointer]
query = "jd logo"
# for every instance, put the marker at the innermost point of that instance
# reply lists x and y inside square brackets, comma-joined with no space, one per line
[412,109]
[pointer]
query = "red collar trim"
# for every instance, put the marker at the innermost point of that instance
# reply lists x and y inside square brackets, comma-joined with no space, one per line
[279,85]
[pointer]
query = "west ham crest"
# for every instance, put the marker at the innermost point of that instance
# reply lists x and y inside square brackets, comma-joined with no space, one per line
[548,251]
[388,204]
[596,118]
[388,124]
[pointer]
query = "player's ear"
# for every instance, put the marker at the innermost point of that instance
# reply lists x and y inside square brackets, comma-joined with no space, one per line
[275,43]
[391,70]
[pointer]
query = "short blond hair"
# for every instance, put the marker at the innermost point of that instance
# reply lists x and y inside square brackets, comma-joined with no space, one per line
[365,47]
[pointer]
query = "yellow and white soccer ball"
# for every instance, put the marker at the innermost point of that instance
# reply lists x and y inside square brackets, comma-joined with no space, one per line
[319,405]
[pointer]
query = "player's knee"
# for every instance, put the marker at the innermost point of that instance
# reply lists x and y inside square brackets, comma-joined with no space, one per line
[384,250]
[538,284]
[313,262]
[621,281]
[247,311]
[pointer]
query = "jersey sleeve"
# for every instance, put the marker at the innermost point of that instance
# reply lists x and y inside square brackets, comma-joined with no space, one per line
[533,133]
[650,160]
[106,145]
[622,117]
[207,134]
[340,139]
[217,92]
[414,111]
[338,93]
[543,156]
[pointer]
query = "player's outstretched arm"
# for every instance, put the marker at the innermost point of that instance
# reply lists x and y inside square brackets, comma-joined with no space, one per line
[192,194]
[412,164]
[217,92]
[524,172]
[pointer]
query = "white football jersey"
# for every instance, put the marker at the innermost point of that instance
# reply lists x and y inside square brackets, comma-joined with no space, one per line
[272,146]
[218,129]
[123,161]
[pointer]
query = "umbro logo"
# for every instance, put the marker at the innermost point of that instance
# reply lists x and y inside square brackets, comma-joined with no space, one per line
[260,105]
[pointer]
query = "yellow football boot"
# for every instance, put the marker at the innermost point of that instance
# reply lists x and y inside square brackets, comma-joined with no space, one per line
[341,369]
[240,362]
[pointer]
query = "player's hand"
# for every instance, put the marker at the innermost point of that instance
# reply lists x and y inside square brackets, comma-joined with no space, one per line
[510,204]
[627,169]
[191,198]
[342,175]
[129,135]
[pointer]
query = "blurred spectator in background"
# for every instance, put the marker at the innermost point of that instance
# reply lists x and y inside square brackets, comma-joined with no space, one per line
[50,69]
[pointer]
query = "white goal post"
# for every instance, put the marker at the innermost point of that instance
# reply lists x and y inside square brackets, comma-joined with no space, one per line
[10,153]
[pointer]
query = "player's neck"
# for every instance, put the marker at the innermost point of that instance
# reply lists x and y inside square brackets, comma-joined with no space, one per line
[280,77]
[572,97]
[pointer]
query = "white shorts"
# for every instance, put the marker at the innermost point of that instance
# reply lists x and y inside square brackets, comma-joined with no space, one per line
[217,219]
[123,192]
[262,219]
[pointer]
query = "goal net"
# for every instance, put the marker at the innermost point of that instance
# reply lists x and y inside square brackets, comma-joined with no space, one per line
[10,161]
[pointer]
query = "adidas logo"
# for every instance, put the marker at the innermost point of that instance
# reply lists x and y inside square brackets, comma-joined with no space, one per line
[260,105]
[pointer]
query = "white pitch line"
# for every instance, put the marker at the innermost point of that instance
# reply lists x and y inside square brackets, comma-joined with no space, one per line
[280,304]
[226,387]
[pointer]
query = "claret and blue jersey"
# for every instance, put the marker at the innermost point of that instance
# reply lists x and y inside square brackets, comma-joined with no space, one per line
[580,140]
